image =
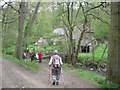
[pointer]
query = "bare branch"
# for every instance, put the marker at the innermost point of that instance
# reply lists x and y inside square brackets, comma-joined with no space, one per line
[78,28]
[95,7]
[4,16]
[105,12]
[6,22]
[98,18]
[64,22]
[9,4]
[77,14]
[59,3]
[62,12]
[78,10]
[89,42]
[13,8]
[85,16]
[72,12]
[1,7]
[83,31]
[66,33]
[31,21]
[68,11]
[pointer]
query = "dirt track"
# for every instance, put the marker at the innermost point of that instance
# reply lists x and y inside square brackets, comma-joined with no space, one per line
[16,76]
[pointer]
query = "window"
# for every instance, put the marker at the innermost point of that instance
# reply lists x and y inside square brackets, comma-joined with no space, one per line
[85,49]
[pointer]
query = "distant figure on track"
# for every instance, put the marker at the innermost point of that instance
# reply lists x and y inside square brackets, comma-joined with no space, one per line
[55,67]
[40,57]
[32,55]
[24,56]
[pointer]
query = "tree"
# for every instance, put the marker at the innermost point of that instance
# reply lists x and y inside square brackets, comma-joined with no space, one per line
[29,25]
[113,73]
[20,30]
[9,21]
[69,17]
[74,14]
[101,26]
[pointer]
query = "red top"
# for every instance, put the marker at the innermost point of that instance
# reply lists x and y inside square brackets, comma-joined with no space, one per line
[39,55]
[30,53]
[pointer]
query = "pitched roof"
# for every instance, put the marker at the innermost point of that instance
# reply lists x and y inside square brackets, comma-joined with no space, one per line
[60,31]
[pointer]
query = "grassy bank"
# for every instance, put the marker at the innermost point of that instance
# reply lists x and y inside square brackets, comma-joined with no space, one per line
[100,80]
[88,75]
[97,54]
[29,65]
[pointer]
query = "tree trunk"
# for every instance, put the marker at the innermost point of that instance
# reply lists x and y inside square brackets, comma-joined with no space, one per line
[82,33]
[79,43]
[31,21]
[71,44]
[29,25]
[73,59]
[93,54]
[113,73]
[104,52]
[71,29]
[20,30]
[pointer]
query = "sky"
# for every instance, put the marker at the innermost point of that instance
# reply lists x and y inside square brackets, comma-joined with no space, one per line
[2,2]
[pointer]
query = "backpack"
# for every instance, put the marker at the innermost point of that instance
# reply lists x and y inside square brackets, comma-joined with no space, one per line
[56,61]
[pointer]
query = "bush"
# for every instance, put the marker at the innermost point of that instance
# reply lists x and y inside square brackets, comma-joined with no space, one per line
[8,50]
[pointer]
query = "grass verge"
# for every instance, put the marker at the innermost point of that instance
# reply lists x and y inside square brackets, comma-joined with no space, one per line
[30,65]
[88,75]
[98,54]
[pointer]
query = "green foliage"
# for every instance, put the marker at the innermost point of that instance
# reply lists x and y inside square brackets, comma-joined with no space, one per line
[100,30]
[85,74]
[90,76]
[111,85]
[9,49]
[30,65]
[48,45]
[46,48]
[68,67]
[98,54]
[41,48]
[97,78]
[9,30]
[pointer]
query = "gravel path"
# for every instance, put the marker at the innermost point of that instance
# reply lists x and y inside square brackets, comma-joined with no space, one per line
[17,76]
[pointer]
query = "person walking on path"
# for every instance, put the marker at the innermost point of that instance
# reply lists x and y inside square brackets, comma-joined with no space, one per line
[55,67]
[32,55]
[40,57]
